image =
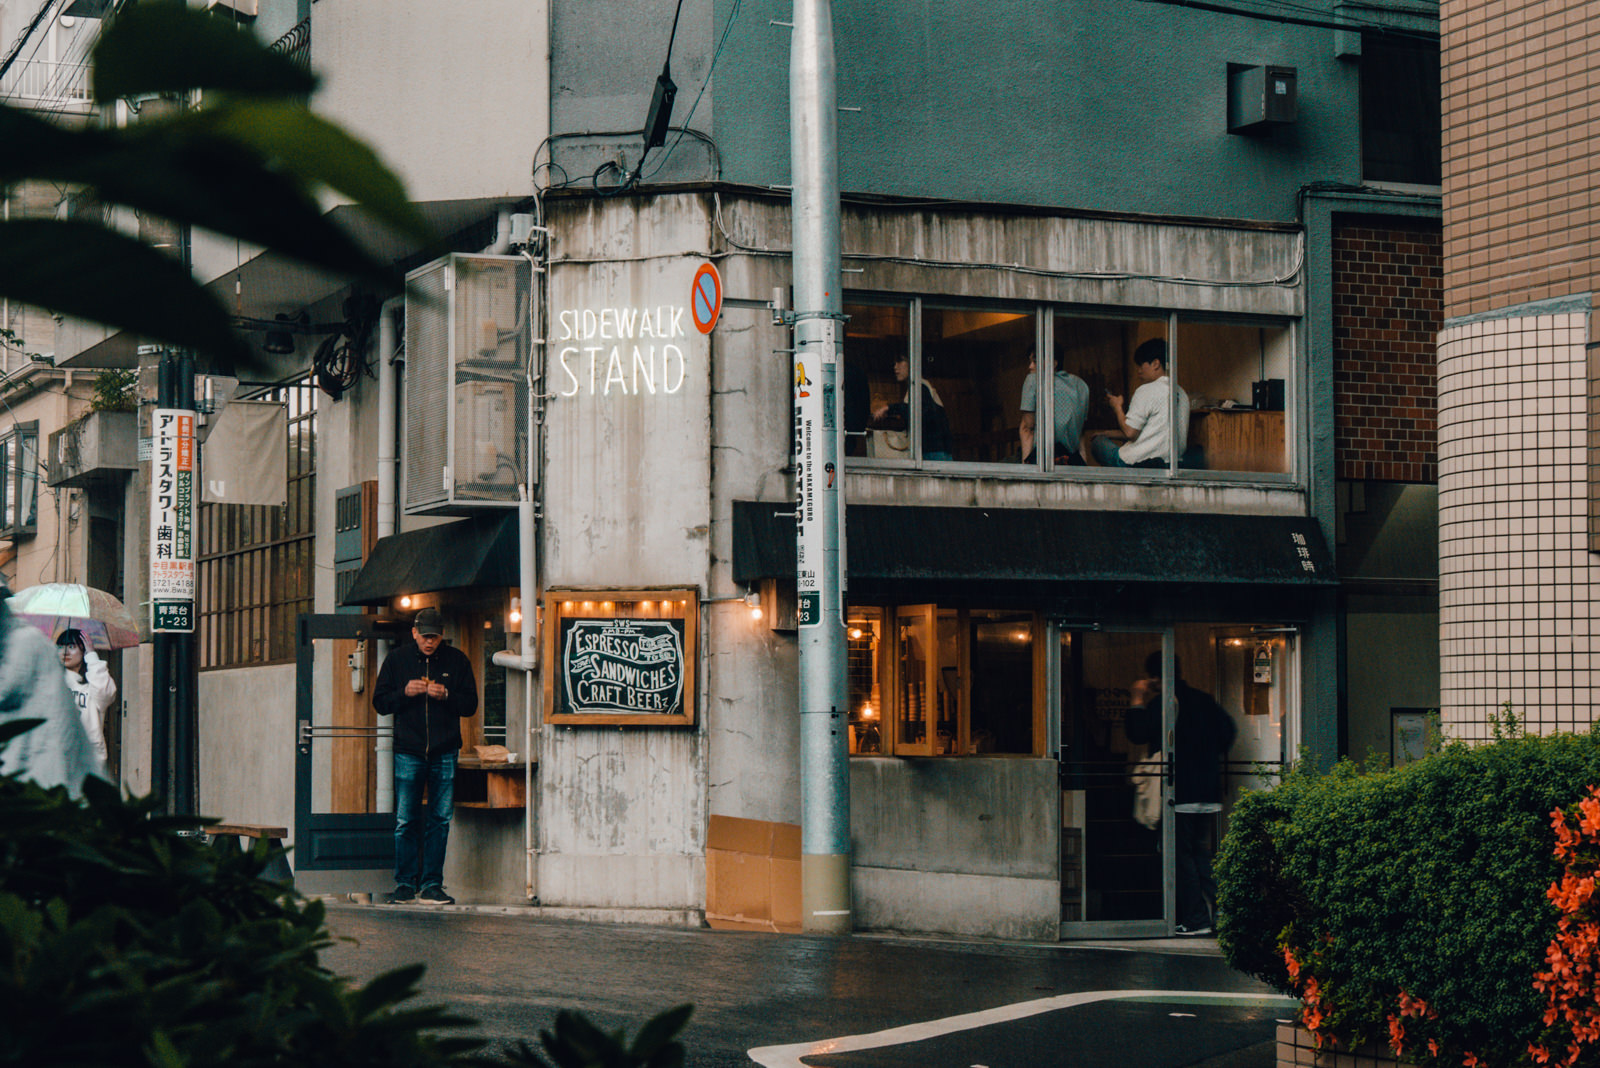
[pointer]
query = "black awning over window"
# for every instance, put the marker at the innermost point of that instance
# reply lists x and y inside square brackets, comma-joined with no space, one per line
[1042,548]
[470,552]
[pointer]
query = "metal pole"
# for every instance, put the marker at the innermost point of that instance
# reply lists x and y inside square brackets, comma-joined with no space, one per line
[185,756]
[824,751]
[161,676]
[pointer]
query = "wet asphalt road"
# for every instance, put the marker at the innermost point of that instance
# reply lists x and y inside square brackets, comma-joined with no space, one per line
[759,991]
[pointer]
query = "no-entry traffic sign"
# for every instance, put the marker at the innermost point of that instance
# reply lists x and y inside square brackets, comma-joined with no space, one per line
[705,298]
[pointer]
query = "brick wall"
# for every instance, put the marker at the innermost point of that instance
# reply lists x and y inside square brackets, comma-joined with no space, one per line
[1386,317]
[1521,95]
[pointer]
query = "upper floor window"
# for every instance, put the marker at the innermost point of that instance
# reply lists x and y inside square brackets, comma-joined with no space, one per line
[19,470]
[936,386]
[1400,109]
[256,563]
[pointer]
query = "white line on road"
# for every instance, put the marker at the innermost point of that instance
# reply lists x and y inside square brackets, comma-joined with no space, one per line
[789,1056]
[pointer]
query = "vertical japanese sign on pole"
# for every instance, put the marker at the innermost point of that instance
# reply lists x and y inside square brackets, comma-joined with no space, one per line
[172,486]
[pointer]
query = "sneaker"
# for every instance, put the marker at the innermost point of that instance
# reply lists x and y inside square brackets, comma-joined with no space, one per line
[435,895]
[1191,932]
[403,894]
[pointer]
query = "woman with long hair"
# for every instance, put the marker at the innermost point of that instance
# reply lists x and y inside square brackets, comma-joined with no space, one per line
[90,682]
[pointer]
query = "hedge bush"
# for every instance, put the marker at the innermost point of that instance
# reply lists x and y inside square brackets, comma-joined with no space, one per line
[1409,906]
[125,941]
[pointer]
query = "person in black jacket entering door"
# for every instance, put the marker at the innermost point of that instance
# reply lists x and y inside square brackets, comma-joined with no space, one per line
[1201,738]
[428,687]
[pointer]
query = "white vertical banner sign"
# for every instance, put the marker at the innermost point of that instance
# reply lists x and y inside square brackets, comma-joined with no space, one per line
[172,501]
[809,542]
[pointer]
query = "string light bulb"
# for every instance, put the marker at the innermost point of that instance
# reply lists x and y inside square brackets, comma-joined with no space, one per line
[752,599]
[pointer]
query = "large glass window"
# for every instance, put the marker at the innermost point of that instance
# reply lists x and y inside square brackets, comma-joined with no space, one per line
[974,363]
[932,385]
[1237,378]
[950,682]
[945,393]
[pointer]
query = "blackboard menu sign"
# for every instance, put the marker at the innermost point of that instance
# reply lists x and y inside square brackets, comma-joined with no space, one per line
[620,657]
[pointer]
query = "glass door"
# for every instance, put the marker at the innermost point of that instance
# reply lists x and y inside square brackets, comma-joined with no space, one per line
[1116,830]
[344,806]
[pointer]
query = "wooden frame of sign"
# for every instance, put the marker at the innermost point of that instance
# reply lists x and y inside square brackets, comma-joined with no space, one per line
[620,658]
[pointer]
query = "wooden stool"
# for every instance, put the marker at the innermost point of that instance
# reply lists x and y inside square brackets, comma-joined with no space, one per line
[277,869]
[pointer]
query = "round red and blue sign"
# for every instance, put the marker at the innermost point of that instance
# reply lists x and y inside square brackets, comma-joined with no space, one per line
[705,298]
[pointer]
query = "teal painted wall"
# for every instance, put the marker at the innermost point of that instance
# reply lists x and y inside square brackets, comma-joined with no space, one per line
[1112,105]
[1109,105]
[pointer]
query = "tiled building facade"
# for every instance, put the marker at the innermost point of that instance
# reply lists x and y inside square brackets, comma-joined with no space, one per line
[1518,583]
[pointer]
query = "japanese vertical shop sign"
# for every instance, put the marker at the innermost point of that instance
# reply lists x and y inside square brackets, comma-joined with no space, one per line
[172,521]
[808,543]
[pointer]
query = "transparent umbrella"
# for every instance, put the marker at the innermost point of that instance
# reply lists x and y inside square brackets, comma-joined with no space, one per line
[55,606]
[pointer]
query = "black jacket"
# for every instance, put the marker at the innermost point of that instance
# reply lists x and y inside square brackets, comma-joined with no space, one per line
[1202,737]
[424,726]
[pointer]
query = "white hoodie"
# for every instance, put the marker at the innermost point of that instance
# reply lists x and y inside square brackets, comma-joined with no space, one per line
[93,695]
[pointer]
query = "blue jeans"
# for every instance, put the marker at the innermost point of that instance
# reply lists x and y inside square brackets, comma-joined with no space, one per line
[1109,452]
[420,838]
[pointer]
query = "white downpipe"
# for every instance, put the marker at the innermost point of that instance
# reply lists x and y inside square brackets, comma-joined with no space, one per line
[388,486]
[502,235]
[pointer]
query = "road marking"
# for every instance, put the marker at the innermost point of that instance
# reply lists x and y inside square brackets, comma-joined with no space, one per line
[789,1056]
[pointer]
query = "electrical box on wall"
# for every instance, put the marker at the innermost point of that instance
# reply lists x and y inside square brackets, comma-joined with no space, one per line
[1261,98]
[468,331]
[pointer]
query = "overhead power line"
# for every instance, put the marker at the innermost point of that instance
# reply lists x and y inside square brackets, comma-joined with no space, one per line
[22,39]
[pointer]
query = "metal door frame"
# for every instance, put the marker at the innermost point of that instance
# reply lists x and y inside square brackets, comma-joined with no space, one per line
[339,851]
[1075,929]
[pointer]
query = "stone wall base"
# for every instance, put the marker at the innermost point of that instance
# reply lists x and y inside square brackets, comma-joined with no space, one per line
[1297,1049]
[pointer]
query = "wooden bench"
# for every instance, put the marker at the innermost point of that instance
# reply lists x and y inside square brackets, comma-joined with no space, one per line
[277,869]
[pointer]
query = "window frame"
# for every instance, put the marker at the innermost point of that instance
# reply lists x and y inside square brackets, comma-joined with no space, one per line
[256,564]
[1045,314]
[889,665]
[20,489]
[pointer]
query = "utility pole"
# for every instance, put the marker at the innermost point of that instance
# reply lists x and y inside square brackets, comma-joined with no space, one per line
[174,491]
[818,320]
[174,501]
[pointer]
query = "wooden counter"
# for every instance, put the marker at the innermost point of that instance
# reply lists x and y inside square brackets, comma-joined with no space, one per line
[498,785]
[1239,440]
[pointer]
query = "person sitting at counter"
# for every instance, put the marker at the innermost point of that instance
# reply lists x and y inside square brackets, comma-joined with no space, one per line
[1070,398]
[1144,432]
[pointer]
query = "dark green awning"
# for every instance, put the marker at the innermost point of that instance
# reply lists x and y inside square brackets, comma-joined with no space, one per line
[481,551]
[1038,546]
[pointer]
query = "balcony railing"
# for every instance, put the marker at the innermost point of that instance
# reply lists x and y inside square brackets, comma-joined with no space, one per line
[296,44]
[49,86]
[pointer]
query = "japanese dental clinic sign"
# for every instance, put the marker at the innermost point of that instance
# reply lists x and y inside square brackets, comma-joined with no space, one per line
[172,487]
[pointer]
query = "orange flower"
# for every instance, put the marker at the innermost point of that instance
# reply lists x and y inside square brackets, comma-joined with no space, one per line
[1540,1054]
[1469,1061]
[1433,1047]
[1397,1035]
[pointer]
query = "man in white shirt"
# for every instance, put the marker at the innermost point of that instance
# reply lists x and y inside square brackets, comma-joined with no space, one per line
[1145,429]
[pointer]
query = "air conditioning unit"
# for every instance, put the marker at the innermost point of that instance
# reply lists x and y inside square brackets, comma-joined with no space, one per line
[468,330]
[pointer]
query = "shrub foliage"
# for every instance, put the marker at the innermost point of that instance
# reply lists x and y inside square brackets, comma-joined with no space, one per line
[126,942]
[1409,906]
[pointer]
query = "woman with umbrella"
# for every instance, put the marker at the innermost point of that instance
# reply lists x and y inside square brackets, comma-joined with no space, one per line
[91,684]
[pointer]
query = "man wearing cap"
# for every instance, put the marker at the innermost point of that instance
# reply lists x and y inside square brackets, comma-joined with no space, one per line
[428,687]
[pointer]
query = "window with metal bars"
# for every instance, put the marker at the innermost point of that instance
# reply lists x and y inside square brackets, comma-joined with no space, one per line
[256,563]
